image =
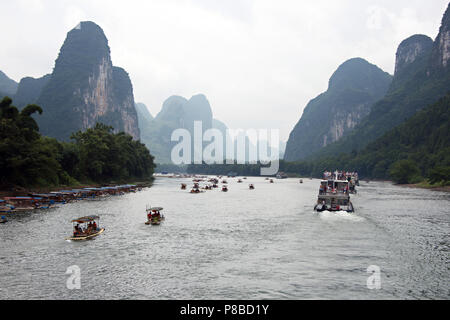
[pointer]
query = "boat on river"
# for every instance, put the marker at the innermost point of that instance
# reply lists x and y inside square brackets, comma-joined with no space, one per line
[154,216]
[251,187]
[224,189]
[183,186]
[86,228]
[196,190]
[334,196]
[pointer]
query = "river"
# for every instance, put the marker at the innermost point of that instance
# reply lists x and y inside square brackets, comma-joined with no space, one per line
[266,243]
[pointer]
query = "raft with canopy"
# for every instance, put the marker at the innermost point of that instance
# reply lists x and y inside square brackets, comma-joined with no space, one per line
[86,234]
[154,216]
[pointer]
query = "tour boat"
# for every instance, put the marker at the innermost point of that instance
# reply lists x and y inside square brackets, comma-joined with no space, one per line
[271,181]
[334,196]
[91,228]
[225,189]
[251,187]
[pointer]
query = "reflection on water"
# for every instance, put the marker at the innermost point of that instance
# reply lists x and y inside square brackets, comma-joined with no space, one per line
[265,243]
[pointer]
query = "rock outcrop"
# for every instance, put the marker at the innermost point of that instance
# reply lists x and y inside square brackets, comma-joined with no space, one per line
[410,49]
[422,77]
[85,88]
[353,88]
[176,113]
[441,50]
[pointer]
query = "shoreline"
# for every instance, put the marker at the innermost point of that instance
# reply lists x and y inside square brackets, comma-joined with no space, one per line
[425,187]
[17,191]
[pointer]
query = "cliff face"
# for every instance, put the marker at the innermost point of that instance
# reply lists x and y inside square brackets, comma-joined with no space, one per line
[353,88]
[85,88]
[441,48]
[410,49]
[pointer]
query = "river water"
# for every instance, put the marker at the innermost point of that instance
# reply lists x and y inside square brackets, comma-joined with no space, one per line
[266,243]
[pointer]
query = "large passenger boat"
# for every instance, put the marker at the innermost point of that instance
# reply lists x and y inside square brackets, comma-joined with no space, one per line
[334,195]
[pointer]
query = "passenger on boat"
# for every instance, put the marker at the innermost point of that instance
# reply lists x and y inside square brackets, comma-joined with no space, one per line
[321,189]
[77,231]
[90,228]
[94,226]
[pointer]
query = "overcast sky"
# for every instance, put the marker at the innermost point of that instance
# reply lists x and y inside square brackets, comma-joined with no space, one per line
[258,62]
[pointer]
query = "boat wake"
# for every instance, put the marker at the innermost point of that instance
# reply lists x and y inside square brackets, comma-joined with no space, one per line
[340,216]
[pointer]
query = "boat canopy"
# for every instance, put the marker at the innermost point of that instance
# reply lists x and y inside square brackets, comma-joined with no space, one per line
[156,209]
[42,195]
[86,219]
[19,198]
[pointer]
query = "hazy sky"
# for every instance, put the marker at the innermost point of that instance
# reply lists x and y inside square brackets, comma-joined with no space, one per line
[258,62]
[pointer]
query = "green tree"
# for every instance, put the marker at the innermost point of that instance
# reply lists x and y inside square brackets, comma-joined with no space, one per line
[440,175]
[404,171]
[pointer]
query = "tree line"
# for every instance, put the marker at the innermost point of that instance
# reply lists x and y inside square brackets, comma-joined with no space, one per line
[96,155]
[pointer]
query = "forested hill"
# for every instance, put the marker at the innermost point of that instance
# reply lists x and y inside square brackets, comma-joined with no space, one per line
[353,88]
[422,76]
[421,144]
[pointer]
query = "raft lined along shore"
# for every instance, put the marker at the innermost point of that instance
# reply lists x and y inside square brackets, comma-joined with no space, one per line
[34,201]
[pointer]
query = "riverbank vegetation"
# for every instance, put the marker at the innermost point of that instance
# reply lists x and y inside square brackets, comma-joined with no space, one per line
[97,155]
